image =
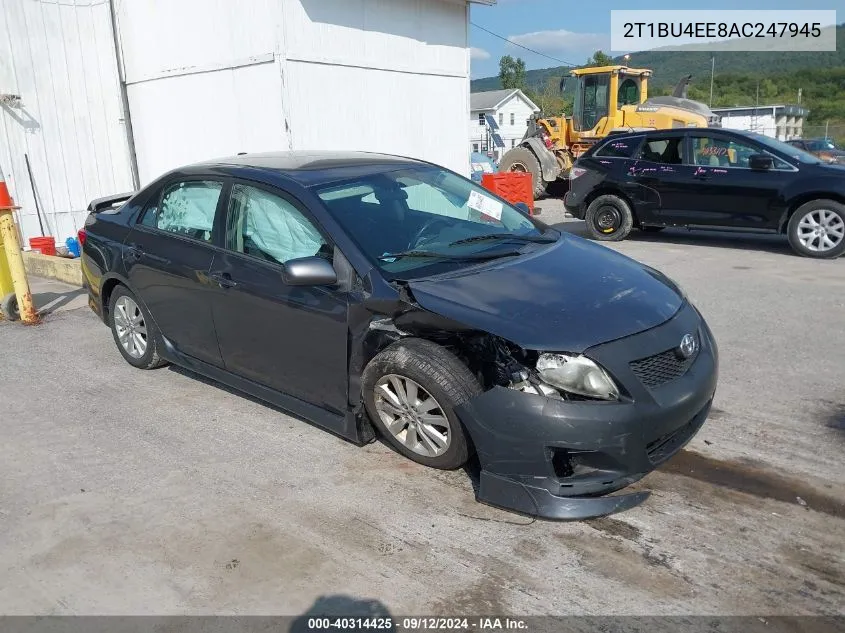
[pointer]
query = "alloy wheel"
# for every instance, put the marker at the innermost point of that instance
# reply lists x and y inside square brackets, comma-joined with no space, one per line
[412,415]
[821,230]
[130,327]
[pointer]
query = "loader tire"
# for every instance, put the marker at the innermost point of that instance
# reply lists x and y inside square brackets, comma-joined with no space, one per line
[522,159]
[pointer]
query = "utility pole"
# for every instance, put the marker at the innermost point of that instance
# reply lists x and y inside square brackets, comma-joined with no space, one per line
[799,96]
[712,74]
[826,124]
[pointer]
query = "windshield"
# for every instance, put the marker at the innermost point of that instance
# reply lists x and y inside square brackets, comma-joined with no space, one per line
[423,220]
[785,148]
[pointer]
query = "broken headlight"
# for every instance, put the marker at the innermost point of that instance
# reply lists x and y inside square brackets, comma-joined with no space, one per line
[578,375]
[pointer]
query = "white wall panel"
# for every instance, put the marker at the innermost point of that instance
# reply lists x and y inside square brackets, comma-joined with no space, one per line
[165,36]
[59,57]
[418,36]
[189,118]
[421,116]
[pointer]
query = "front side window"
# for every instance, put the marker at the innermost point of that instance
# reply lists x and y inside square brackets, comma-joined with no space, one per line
[629,92]
[724,152]
[668,151]
[268,227]
[420,220]
[186,208]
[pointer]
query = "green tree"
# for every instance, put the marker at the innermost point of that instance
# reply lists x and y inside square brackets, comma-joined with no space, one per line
[512,72]
[600,59]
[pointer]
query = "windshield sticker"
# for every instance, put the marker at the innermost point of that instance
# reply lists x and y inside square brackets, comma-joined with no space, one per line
[483,204]
[713,150]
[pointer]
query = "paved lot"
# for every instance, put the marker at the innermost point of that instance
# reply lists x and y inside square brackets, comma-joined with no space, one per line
[124,491]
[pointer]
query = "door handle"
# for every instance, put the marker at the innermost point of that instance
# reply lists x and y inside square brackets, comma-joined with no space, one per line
[224,280]
[134,253]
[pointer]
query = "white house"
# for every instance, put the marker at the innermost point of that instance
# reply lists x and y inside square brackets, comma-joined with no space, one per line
[510,111]
[105,95]
[782,122]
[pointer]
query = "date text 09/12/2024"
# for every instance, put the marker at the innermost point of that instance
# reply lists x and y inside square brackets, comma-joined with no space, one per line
[479,624]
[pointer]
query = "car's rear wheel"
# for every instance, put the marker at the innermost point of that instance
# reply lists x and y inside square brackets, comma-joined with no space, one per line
[817,229]
[134,332]
[411,391]
[609,218]
[523,160]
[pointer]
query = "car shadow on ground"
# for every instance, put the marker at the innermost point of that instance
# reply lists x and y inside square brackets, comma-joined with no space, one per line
[472,469]
[767,243]
[48,302]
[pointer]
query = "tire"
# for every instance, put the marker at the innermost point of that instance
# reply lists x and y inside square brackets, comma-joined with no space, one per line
[9,307]
[609,218]
[652,229]
[802,230]
[523,159]
[121,313]
[434,370]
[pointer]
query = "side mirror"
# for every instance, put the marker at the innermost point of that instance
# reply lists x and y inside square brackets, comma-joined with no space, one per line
[761,162]
[309,271]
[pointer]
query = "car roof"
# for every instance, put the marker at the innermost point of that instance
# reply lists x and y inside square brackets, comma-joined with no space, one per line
[718,131]
[310,167]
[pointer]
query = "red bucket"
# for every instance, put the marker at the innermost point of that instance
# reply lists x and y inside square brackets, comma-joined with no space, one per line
[44,245]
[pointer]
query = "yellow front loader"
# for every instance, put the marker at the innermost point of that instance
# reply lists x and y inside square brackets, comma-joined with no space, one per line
[608,99]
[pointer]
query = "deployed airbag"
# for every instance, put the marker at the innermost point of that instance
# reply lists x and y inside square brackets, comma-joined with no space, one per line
[275,226]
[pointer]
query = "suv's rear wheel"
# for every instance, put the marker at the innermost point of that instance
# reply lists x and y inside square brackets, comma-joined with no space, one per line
[411,390]
[609,218]
[817,229]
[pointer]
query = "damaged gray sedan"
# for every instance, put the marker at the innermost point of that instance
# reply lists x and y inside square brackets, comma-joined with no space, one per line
[378,295]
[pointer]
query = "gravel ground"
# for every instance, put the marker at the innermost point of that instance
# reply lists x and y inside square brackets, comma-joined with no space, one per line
[129,492]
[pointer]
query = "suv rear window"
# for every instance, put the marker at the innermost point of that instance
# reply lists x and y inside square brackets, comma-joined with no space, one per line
[620,148]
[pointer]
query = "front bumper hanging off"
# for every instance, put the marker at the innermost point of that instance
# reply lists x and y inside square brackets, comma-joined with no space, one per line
[560,459]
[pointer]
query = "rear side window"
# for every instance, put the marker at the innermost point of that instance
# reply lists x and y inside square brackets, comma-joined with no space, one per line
[620,148]
[668,151]
[186,208]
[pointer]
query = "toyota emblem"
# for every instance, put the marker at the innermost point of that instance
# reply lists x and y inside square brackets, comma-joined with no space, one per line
[688,346]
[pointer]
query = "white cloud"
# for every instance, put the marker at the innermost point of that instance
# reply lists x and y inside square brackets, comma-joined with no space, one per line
[478,53]
[561,43]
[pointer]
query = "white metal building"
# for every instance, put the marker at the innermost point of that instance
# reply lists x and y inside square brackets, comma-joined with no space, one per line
[112,94]
[509,109]
[783,122]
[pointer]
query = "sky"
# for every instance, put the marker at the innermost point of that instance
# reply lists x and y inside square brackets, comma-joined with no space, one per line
[570,31]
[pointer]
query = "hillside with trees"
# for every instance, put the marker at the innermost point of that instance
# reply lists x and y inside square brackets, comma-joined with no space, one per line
[741,79]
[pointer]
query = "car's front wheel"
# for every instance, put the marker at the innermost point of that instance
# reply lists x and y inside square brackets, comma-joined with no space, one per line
[609,218]
[411,391]
[817,229]
[134,331]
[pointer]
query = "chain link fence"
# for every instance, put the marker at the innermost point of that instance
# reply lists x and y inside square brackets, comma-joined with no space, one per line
[834,132]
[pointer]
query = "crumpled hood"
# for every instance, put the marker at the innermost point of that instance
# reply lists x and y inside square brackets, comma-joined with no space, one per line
[565,297]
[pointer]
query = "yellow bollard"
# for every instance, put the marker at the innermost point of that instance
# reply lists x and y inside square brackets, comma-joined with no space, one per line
[12,248]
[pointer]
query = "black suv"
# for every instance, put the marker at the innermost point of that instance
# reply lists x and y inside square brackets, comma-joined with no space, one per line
[706,178]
